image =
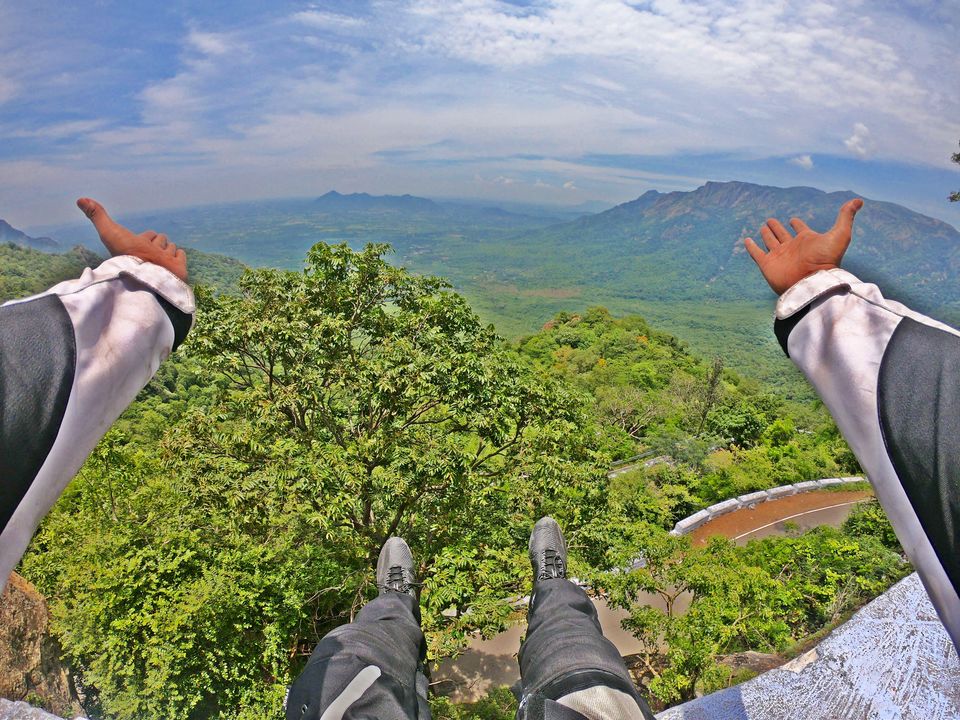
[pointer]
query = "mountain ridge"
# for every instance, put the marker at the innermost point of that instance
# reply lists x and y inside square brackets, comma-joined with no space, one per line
[335,201]
[696,238]
[10,234]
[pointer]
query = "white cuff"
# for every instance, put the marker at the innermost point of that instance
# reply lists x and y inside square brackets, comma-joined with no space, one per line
[804,292]
[160,280]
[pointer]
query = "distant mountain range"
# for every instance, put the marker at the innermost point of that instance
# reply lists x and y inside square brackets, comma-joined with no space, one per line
[689,245]
[457,211]
[676,258]
[9,234]
[364,202]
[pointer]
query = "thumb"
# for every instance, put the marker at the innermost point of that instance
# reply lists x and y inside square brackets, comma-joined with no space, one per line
[848,211]
[105,225]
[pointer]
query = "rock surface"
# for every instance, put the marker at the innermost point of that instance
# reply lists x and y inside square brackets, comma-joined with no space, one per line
[10,710]
[751,660]
[891,661]
[30,658]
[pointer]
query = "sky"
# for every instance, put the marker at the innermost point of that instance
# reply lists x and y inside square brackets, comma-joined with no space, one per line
[148,105]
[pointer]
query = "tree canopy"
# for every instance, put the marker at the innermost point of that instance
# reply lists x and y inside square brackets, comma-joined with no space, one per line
[349,402]
[234,514]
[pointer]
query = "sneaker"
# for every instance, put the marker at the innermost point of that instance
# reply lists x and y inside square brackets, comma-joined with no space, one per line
[395,567]
[548,551]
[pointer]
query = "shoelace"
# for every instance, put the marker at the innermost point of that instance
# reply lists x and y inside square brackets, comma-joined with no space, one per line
[397,579]
[551,565]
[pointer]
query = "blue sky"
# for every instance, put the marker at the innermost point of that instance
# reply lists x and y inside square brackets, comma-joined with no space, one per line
[146,105]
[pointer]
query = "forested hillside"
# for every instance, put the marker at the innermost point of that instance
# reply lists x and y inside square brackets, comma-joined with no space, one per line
[26,271]
[688,245]
[678,259]
[235,512]
[723,435]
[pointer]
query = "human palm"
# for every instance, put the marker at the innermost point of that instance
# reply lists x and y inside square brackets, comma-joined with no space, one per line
[791,258]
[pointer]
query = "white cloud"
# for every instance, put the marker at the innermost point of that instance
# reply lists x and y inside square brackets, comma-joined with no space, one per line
[860,143]
[209,43]
[428,93]
[741,59]
[568,185]
[326,20]
[604,83]
[59,131]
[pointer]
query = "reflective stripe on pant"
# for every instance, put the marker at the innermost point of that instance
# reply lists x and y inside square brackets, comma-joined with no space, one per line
[366,669]
[566,661]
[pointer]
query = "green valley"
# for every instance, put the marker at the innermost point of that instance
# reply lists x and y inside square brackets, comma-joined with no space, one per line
[675,258]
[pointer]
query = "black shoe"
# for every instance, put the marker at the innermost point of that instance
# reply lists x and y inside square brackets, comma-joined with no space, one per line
[395,568]
[548,551]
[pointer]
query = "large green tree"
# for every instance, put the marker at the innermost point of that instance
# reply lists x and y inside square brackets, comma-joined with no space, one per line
[351,401]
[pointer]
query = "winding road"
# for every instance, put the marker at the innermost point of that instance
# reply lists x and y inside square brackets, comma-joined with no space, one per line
[487,664]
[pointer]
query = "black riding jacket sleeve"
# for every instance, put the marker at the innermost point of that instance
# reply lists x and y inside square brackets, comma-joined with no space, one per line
[891,379]
[71,360]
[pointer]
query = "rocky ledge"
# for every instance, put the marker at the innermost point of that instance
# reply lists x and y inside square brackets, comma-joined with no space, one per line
[892,660]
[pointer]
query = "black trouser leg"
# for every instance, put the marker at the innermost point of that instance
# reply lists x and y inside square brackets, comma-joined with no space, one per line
[367,669]
[566,661]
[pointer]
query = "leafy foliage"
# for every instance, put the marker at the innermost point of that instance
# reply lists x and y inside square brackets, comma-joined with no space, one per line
[869,520]
[499,704]
[713,434]
[25,271]
[721,599]
[234,514]
[349,402]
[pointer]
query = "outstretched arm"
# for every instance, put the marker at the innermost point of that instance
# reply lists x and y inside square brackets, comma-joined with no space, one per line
[72,359]
[891,379]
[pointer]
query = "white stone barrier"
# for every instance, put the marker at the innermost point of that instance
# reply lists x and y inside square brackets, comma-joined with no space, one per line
[691,523]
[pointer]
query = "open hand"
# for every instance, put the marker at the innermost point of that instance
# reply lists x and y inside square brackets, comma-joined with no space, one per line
[790,259]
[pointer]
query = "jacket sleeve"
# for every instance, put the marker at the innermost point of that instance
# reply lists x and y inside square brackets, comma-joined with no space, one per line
[891,379]
[71,360]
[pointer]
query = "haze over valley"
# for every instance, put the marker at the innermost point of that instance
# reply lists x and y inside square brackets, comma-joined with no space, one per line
[676,258]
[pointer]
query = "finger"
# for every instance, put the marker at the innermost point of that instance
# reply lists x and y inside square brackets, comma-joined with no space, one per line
[781,232]
[161,240]
[848,211]
[105,225]
[755,252]
[769,239]
[799,225]
[148,234]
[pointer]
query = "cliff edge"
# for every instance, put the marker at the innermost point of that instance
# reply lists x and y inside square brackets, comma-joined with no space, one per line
[31,668]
